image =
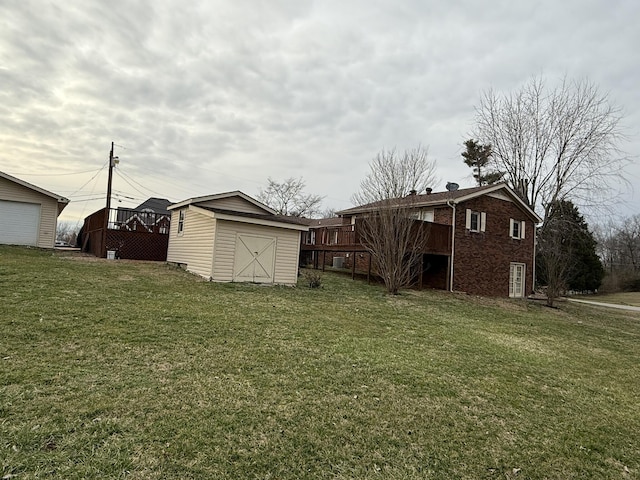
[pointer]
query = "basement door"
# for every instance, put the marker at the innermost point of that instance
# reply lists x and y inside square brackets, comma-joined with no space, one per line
[516,280]
[254,259]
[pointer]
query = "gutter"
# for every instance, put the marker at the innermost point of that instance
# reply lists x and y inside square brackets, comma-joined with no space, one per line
[452,204]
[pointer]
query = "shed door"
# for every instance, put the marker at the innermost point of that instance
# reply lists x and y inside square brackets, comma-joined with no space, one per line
[19,223]
[254,259]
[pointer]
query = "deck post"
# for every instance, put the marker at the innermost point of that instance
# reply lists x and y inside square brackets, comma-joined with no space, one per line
[369,270]
[421,271]
[353,265]
[323,259]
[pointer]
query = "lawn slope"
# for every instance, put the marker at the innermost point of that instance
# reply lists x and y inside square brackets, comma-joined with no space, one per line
[116,369]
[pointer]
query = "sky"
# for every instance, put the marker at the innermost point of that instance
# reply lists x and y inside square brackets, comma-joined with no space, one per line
[204,97]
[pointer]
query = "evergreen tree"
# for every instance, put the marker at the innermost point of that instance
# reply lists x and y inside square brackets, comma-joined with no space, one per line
[566,256]
[477,157]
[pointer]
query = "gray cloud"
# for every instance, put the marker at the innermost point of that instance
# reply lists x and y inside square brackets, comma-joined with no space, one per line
[214,96]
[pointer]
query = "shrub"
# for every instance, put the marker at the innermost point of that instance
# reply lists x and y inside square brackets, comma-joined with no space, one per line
[313,278]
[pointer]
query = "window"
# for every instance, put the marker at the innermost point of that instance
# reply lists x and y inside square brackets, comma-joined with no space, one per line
[181,222]
[423,215]
[476,221]
[516,228]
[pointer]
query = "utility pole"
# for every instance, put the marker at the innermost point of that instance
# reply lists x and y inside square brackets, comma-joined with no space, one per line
[112,163]
[110,179]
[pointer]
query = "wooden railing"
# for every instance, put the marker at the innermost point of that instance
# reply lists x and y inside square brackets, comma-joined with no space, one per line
[347,237]
[130,234]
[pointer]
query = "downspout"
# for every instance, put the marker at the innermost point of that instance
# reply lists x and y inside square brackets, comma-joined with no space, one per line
[535,248]
[452,204]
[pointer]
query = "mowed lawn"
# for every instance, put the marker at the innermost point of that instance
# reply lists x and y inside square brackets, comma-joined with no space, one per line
[622,298]
[118,369]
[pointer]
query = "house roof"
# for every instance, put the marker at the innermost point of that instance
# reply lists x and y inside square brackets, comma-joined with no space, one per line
[325,222]
[218,196]
[158,205]
[443,198]
[33,187]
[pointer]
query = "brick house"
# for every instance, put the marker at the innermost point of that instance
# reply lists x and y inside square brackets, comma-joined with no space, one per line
[481,241]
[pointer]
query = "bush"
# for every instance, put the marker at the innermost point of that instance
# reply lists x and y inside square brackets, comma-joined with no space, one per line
[313,278]
[631,284]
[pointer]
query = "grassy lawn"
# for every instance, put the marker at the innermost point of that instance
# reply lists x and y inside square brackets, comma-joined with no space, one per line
[116,369]
[623,298]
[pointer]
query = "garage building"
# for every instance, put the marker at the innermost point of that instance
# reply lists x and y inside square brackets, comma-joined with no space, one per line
[28,214]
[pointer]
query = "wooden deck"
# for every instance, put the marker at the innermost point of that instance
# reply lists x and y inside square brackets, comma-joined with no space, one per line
[345,238]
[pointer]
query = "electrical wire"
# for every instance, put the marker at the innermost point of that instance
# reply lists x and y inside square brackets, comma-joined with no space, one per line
[129,183]
[88,200]
[96,174]
[124,175]
[51,174]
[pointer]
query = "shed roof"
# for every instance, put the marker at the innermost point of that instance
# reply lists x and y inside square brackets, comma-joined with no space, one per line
[295,223]
[218,196]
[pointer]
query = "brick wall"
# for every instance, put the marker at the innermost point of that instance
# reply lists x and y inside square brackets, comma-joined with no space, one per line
[482,259]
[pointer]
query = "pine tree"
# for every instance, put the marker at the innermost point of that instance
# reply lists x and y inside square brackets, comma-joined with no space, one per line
[566,258]
[477,157]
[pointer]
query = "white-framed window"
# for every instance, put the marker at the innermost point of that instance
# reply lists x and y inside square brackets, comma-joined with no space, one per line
[516,280]
[476,221]
[423,215]
[181,222]
[516,228]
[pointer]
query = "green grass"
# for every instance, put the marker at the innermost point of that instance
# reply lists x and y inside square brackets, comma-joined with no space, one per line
[622,298]
[116,369]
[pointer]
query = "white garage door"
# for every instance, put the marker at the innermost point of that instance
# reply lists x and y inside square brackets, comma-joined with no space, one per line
[19,223]
[255,259]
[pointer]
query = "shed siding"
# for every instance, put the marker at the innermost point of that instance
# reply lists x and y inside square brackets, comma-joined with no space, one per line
[237,204]
[287,250]
[195,246]
[48,209]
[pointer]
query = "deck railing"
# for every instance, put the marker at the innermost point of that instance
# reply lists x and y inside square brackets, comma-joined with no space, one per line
[130,234]
[347,237]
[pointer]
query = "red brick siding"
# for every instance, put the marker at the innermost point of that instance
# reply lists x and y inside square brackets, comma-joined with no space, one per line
[482,259]
[442,215]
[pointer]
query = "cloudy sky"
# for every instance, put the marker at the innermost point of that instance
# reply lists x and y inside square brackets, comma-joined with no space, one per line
[203,97]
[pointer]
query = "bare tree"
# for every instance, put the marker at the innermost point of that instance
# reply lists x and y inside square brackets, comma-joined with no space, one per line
[288,198]
[607,244]
[67,231]
[554,144]
[389,231]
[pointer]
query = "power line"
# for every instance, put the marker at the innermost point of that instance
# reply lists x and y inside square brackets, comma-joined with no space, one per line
[105,164]
[88,200]
[121,175]
[52,174]
[139,184]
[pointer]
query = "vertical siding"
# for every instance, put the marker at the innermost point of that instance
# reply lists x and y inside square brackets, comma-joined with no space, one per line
[237,204]
[194,247]
[287,250]
[48,209]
